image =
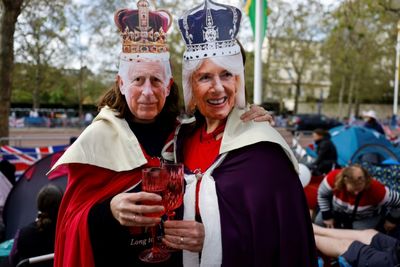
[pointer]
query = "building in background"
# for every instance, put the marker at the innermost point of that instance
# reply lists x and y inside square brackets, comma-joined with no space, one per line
[295,67]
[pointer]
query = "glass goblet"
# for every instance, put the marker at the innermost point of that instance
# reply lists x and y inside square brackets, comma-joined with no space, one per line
[154,182]
[173,195]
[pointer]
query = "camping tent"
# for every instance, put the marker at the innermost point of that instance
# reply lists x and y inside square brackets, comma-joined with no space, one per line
[20,207]
[361,141]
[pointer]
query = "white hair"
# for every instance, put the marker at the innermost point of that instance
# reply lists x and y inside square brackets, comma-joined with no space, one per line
[125,67]
[233,64]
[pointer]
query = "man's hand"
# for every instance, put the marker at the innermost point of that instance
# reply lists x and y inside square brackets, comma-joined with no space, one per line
[257,113]
[128,210]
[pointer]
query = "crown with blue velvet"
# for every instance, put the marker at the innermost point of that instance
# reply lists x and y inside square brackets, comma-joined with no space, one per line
[209,30]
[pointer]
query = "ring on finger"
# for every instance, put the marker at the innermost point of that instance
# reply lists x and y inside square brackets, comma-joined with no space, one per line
[134,217]
[181,240]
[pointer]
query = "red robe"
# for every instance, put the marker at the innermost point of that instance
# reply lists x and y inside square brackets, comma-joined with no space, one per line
[87,185]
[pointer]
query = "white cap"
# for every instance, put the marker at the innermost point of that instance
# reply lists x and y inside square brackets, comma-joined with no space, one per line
[370,113]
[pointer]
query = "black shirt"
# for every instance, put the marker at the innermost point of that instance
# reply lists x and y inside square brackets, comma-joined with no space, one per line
[152,136]
[112,243]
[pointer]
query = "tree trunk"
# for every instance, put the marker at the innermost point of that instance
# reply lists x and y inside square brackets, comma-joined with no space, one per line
[341,92]
[356,102]
[36,88]
[12,9]
[350,96]
[80,91]
[296,96]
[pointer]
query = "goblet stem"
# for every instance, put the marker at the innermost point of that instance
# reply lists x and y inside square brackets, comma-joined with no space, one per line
[154,238]
[155,254]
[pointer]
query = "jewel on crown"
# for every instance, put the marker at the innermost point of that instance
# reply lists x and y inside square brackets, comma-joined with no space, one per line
[142,30]
[209,30]
[210,33]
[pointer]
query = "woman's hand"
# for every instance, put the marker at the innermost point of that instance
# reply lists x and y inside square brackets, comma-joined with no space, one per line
[128,211]
[257,113]
[188,235]
[329,223]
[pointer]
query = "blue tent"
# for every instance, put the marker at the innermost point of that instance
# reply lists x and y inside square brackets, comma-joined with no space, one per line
[355,142]
[20,208]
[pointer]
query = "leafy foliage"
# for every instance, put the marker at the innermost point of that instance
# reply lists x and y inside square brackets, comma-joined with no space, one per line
[360,46]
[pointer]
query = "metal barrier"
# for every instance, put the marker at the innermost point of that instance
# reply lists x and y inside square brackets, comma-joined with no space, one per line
[20,140]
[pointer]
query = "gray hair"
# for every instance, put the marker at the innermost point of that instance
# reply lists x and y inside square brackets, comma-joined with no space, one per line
[232,63]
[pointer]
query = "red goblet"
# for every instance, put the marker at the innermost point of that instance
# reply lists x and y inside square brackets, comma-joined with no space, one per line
[173,195]
[154,182]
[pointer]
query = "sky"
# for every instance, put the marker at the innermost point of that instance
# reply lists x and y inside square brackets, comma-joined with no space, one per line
[325,2]
[245,34]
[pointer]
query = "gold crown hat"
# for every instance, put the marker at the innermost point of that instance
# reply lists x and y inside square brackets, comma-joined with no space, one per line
[143,32]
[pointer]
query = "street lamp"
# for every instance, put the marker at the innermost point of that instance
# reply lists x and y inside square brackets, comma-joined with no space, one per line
[396,79]
[394,6]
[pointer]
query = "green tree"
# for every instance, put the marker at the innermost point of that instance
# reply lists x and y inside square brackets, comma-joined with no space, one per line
[61,85]
[293,48]
[361,47]
[10,10]
[41,41]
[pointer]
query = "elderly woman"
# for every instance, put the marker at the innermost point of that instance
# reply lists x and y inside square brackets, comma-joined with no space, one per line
[350,198]
[241,178]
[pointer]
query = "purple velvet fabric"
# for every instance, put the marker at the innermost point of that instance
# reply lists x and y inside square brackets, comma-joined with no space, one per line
[264,215]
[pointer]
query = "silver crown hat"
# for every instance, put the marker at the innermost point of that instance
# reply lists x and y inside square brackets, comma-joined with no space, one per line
[209,32]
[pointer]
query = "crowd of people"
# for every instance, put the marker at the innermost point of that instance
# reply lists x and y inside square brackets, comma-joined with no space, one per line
[355,217]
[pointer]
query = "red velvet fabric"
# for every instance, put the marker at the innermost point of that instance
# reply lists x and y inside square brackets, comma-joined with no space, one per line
[87,186]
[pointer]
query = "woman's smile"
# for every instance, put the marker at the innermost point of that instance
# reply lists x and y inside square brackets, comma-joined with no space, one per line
[217,101]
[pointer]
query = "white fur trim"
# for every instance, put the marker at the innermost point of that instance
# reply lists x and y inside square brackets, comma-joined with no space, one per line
[108,143]
[211,255]
[239,134]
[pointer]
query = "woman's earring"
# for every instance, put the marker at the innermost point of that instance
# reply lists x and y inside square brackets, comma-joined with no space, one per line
[192,106]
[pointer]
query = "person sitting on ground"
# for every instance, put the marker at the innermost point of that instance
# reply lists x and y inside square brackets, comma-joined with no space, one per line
[371,121]
[37,238]
[358,247]
[8,170]
[7,181]
[326,153]
[350,198]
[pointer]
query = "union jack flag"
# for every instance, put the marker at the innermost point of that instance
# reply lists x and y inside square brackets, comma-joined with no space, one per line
[23,157]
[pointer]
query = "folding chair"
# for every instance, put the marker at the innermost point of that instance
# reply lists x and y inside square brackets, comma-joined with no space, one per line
[34,260]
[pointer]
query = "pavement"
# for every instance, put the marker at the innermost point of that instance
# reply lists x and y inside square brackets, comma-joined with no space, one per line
[36,137]
[33,137]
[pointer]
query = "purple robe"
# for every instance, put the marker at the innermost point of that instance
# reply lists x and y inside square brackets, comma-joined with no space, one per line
[263,210]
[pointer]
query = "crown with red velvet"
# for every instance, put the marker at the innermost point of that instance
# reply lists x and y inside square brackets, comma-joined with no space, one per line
[143,31]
